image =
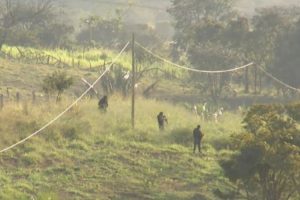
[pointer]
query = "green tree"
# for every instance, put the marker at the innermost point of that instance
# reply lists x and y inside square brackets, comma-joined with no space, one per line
[32,23]
[190,13]
[57,82]
[103,31]
[206,33]
[266,165]
[287,58]
[269,24]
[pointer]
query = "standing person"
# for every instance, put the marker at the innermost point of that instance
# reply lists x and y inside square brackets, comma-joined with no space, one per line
[161,119]
[198,135]
[103,103]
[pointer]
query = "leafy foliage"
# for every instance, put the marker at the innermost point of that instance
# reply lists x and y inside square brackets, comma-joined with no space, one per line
[32,23]
[286,59]
[267,164]
[57,82]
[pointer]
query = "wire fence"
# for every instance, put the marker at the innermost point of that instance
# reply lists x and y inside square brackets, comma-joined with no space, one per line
[68,108]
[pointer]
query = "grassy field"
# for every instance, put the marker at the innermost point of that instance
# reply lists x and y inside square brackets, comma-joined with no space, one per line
[85,58]
[91,155]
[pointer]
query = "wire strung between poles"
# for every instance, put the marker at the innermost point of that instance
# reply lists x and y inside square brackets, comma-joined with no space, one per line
[70,106]
[220,71]
[192,69]
[277,80]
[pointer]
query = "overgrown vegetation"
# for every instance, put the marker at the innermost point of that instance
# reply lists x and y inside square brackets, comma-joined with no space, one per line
[267,163]
[88,154]
[57,82]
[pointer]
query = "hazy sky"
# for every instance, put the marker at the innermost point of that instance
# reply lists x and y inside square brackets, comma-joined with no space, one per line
[82,8]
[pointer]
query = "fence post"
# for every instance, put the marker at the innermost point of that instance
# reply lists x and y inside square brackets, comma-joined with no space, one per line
[1,102]
[260,83]
[18,97]
[33,97]
[255,80]
[7,92]
[133,83]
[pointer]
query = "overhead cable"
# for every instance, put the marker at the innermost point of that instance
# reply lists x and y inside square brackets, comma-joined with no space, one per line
[193,69]
[69,107]
[277,80]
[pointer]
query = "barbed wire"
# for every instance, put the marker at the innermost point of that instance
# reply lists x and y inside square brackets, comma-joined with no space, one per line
[69,107]
[277,80]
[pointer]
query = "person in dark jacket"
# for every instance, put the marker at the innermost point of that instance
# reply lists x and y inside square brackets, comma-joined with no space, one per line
[198,135]
[103,103]
[161,119]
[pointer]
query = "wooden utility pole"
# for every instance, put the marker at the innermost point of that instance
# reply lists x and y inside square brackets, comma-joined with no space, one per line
[1,101]
[7,93]
[260,82]
[255,79]
[133,84]
[18,97]
[33,97]
[246,80]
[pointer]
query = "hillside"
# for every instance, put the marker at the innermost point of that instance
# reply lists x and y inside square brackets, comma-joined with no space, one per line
[232,77]
[89,155]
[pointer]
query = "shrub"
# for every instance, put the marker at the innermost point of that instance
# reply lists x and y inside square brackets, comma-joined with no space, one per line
[181,136]
[57,82]
[78,145]
[31,159]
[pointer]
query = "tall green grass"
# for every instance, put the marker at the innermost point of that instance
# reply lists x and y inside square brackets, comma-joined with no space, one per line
[89,58]
[88,154]
[84,58]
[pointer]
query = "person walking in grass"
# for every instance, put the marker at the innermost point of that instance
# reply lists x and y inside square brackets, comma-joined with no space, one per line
[103,104]
[198,135]
[161,119]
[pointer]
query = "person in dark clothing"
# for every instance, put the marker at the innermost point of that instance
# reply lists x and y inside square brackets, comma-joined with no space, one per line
[103,103]
[161,119]
[198,135]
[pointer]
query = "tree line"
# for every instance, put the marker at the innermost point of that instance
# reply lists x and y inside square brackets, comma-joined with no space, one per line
[41,23]
[208,35]
[213,35]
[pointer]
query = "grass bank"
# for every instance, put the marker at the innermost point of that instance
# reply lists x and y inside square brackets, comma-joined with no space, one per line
[93,155]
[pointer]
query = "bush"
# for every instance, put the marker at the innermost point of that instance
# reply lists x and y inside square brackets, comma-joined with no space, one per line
[73,130]
[57,82]
[53,135]
[70,133]
[78,145]
[47,196]
[181,136]
[221,143]
[31,159]
[139,136]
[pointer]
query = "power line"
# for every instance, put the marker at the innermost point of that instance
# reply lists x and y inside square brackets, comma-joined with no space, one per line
[192,69]
[278,81]
[219,71]
[69,107]
[134,5]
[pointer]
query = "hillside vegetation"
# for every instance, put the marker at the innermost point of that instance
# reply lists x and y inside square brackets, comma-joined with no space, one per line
[51,54]
[91,155]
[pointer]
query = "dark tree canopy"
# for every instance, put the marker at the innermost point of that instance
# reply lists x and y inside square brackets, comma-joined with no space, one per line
[266,164]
